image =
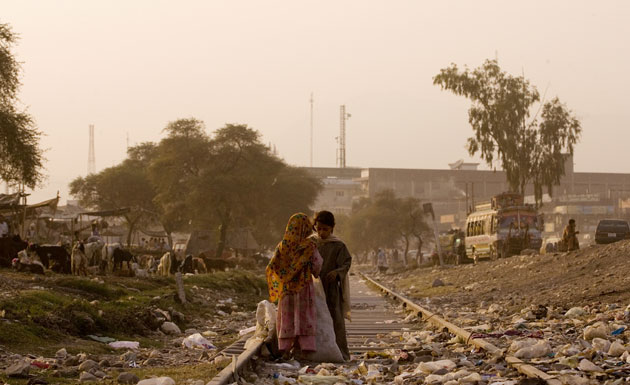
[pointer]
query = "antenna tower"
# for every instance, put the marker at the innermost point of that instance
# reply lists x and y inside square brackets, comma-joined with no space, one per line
[91,158]
[312,101]
[343,116]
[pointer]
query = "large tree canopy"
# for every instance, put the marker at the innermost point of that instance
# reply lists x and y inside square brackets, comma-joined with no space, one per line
[191,180]
[20,155]
[529,149]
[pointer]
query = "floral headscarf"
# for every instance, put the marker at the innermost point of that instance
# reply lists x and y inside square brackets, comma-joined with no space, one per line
[290,267]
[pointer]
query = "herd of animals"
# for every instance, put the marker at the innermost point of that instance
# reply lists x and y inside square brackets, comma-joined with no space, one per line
[97,257]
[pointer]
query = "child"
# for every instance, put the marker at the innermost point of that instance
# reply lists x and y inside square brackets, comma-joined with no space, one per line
[334,276]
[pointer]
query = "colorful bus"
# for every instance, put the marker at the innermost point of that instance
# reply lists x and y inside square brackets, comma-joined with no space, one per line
[502,228]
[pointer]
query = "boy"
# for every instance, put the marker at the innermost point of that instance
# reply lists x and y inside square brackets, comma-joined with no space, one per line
[334,274]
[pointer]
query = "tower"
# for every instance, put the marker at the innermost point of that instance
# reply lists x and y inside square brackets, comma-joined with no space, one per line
[343,116]
[91,158]
[312,128]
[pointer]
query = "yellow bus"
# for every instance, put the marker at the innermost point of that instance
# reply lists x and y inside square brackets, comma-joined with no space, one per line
[502,228]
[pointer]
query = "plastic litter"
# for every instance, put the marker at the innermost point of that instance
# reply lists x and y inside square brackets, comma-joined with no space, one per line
[125,345]
[197,341]
[104,340]
[321,380]
[247,331]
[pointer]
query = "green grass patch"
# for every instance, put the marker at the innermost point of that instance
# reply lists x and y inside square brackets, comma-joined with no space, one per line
[204,371]
[239,281]
[90,289]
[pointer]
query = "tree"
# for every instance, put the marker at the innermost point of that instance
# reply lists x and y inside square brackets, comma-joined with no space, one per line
[528,150]
[382,221]
[126,185]
[227,180]
[20,155]
[177,161]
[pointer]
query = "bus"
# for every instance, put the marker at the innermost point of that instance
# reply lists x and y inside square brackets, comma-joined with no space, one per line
[504,227]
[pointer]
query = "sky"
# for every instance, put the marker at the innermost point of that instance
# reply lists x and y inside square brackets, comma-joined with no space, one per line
[130,67]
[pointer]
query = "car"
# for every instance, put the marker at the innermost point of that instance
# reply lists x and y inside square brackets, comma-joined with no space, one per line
[611,230]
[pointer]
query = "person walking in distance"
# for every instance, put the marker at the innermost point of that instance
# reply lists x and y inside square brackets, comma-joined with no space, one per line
[569,236]
[290,282]
[334,276]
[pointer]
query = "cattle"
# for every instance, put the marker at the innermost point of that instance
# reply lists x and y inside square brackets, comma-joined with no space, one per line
[168,264]
[199,266]
[28,261]
[138,272]
[187,266]
[120,256]
[79,261]
[9,248]
[107,254]
[164,268]
[93,252]
[53,257]
[151,265]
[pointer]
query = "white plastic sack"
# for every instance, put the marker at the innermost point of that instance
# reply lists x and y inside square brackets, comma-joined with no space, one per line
[197,341]
[265,324]
[325,342]
[125,345]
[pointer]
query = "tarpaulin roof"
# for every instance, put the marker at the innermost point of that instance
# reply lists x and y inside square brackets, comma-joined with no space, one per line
[107,213]
[8,201]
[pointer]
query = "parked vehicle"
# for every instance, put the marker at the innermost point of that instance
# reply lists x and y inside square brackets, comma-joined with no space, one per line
[504,227]
[611,230]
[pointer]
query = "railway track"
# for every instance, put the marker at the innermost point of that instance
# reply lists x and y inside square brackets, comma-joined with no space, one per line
[384,338]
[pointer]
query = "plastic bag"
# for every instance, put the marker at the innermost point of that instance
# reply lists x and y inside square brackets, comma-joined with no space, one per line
[197,341]
[125,344]
[327,349]
[265,324]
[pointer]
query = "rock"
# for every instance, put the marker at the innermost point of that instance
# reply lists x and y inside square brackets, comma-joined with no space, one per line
[540,349]
[495,308]
[127,378]
[104,364]
[433,366]
[438,282]
[575,312]
[87,377]
[19,369]
[191,331]
[170,328]
[61,354]
[601,344]
[597,330]
[209,333]
[71,361]
[150,362]
[100,374]
[154,353]
[616,349]
[222,360]
[197,382]
[587,366]
[88,365]
[177,316]
[128,356]
[68,372]
[157,381]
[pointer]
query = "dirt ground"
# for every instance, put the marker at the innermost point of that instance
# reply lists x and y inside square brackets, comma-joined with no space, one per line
[593,275]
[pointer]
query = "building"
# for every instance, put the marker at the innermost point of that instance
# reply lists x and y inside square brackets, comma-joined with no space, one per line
[454,191]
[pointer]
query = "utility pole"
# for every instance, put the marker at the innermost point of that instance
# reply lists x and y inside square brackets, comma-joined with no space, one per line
[312,101]
[91,157]
[343,116]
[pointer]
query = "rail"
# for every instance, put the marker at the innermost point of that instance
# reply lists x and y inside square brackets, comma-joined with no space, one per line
[433,318]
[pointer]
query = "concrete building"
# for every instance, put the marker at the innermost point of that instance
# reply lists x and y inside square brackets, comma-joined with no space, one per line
[455,190]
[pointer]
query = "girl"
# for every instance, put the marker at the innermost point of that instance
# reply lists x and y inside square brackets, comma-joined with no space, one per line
[289,278]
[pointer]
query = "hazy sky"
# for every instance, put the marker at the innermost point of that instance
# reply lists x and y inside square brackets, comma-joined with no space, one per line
[130,67]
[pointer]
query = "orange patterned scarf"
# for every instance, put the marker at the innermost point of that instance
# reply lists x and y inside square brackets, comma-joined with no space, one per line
[290,268]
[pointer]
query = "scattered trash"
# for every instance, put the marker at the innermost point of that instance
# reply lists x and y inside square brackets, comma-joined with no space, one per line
[197,341]
[247,331]
[104,340]
[125,345]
